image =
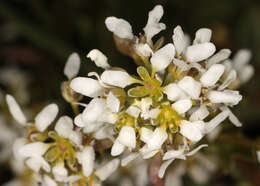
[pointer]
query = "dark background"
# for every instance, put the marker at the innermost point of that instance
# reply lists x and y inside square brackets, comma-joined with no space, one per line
[38,35]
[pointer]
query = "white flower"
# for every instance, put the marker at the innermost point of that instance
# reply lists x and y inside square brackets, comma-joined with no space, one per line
[203,35]
[125,161]
[212,75]
[226,97]
[213,123]
[258,155]
[113,102]
[119,27]
[48,181]
[194,131]
[99,58]
[179,40]
[33,153]
[60,172]
[200,114]
[240,63]
[190,86]
[163,57]
[200,52]
[87,86]
[222,55]
[126,138]
[158,137]
[64,127]
[153,26]
[144,50]
[46,117]
[182,106]
[15,110]
[171,155]
[72,66]
[146,134]
[174,92]
[232,75]
[133,111]
[87,159]
[104,172]
[117,78]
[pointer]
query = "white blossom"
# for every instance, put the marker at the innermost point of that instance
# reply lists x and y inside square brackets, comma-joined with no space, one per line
[119,27]
[87,159]
[72,66]
[212,75]
[190,86]
[153,25]
[203,35]
[200,52]
[87,86]
[46,117]
[105,171]
[99,58]
[179,40]
[163,57]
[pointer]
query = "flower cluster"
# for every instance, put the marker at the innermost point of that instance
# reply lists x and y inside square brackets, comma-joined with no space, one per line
[181,93]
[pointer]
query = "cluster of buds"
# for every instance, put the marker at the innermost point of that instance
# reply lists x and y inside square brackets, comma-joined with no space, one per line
[182,92]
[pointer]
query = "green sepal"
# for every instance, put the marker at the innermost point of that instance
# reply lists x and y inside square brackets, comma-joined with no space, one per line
[52,154]
[139,91]
[143,73]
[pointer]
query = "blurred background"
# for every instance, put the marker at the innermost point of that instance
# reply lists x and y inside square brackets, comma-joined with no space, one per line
[36,37]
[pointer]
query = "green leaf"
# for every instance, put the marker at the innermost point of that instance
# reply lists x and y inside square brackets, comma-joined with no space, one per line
[143,73]
[139,91]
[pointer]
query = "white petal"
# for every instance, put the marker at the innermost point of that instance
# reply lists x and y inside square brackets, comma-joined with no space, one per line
[92,127]
[117,78]
[194,151]
[151,114]
[258,155]
[234,120]
[117,148]
[147,153]
[60,172]
[35,149]
[212,124]
[179,40]
[119,27]
[242,58]
[190,86]
[78,120]
[15,110]
[153,26]
[181,64]
[230,78]
[174,92]
[104,172]
[163,168]
[105,132]
[64,126]
[94,110]
[173,154]
[127,136]
[203,35]
[227,97]
[246,73]
[35,163]
[87,159]
[48,181]
[113,102]
[182,106]
[199,114]
[125,161]
[200,52]
[210,77]
[46,117]
[144,50]
[72,66]
[146,134]
[99,58]
[158,137]
[18,143]
[87,86]
[163,57]
[133,111]
[75,137]
[222,55]
[192,130]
